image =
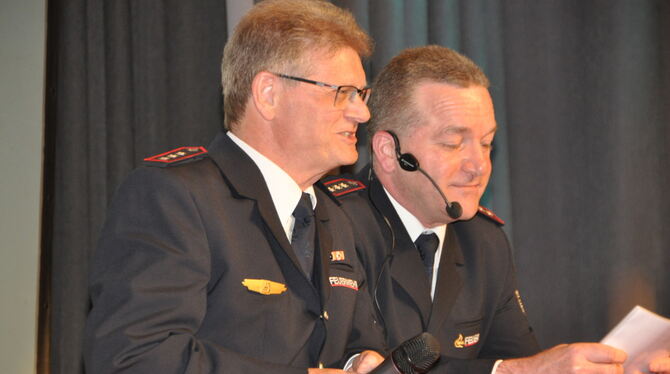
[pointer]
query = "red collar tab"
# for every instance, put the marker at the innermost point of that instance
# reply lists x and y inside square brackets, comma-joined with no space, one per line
[175,155]
[343,186]
[490,215]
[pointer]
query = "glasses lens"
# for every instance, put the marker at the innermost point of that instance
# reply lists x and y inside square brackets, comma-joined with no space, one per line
[344,94]
[364,94]
[349,93]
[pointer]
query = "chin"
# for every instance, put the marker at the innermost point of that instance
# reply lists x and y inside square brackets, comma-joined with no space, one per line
[469,211]
[348,158]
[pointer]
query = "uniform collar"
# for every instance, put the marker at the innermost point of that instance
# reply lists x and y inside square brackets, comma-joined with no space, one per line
[284,191]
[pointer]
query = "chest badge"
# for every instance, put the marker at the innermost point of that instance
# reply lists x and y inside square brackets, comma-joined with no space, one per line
[343,282]
[468,341]
[337,256]
[264,286]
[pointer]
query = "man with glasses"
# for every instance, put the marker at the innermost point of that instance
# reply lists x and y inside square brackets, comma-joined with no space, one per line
[437,261]
[230,259]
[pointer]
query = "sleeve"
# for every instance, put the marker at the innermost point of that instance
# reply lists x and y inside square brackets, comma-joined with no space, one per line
[148,283]
[510,334]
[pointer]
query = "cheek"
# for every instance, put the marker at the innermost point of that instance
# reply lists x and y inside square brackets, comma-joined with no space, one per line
[450,170]
[488,168]
[411,183]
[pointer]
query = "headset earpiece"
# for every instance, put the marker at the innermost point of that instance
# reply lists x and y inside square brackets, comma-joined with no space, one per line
[407,161]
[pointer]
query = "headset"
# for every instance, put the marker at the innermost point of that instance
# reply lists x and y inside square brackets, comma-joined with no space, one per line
[408,162]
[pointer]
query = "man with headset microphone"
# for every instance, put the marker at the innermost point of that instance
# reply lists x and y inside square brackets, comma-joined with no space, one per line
[447,270]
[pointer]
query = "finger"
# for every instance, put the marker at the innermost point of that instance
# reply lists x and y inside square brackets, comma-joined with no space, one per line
[367,361]
[324,371]
[604,354]
[660,365]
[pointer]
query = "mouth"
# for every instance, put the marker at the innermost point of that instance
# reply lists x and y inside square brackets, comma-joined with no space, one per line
[350,136]
[467,187]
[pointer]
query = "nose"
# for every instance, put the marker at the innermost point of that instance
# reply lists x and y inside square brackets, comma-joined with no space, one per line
[476,161]
[357,110]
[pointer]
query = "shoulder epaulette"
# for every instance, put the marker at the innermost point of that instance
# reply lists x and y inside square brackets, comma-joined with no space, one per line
[490,215]
[341,186]
[176,156]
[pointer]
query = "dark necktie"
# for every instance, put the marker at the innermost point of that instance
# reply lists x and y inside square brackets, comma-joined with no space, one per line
[427,245]
[304,234]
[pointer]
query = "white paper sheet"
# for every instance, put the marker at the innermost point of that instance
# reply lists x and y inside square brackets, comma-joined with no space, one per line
[643,335]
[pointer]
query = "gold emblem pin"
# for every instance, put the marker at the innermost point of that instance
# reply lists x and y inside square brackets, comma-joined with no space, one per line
[264,286]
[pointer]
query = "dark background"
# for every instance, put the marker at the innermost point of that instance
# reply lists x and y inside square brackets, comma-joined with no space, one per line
[581,163]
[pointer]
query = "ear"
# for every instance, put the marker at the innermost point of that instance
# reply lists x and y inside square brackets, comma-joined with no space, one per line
[383,148]
[264,94]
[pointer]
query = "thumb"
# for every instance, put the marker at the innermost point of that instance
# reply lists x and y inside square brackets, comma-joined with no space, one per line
[605,354]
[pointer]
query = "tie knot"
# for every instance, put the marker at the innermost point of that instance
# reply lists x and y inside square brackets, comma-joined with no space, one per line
[427,245]
[303,211]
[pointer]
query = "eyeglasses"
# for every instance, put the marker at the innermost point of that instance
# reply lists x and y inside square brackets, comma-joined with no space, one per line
[342,93]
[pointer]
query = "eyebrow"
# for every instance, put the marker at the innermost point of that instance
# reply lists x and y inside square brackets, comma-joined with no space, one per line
[463,130]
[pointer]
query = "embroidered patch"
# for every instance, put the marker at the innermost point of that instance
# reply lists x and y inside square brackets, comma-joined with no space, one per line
[178,154]
[337,256]
[468,341]
[342,186]
[490,215]
[343,282]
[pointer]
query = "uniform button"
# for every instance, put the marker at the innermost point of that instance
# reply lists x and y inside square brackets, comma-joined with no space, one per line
[325,315]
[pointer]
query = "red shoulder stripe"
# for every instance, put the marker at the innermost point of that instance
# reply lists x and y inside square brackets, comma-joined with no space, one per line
[343,186]
[490,215]
[178,154]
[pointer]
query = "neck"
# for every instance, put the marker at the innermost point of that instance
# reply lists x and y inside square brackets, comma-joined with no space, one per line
[303,177]
[401,196]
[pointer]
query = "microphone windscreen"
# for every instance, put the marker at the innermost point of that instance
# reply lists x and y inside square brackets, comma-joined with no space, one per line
[454,210]
[418,354]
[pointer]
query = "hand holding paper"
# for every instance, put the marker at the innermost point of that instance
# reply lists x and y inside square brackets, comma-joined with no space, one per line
[645,336]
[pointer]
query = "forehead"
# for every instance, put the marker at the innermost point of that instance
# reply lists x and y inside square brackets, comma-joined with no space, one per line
[340,67]
[448,107]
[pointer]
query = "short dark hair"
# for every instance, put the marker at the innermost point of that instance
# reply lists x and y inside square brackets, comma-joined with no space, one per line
[391,104]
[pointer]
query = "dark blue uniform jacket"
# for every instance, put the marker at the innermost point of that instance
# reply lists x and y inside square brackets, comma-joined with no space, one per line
[476,315]
[166,280]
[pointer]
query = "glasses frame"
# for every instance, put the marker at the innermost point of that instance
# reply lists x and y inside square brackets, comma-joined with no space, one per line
[363,93]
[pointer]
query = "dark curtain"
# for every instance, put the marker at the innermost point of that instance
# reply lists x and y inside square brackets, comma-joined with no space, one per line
[588,109]
[127,79]
[581,167]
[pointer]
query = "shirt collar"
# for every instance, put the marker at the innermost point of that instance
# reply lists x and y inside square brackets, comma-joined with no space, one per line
[413,225]
[284,191]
